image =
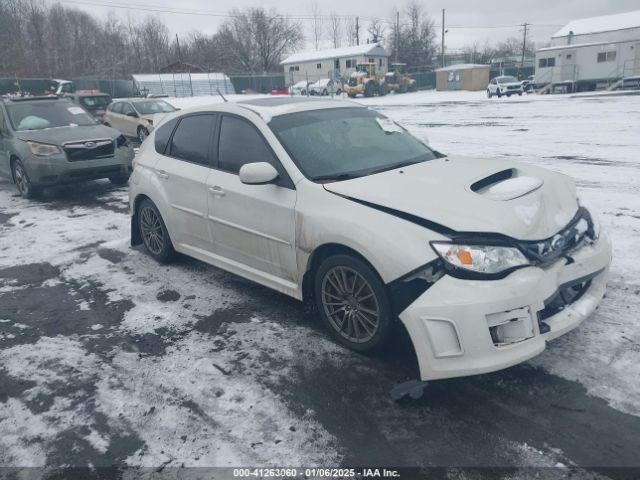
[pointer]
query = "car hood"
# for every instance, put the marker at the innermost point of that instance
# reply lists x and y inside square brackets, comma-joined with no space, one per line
[60,135]
[471,195]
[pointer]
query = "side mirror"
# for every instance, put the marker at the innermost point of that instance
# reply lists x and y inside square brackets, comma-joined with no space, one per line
[257,173]
[132,114]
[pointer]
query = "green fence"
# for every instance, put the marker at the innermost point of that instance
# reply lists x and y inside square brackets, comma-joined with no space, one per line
[115,88]
[258,83]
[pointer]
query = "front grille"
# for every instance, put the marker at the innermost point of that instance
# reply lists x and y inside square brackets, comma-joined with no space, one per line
[513,87]
[89,150]
[579,230]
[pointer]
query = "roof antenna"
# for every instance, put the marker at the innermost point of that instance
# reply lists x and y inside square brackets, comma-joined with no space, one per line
[221,95]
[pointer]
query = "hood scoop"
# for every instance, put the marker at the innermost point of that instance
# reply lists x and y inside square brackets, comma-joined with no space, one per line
[506,185]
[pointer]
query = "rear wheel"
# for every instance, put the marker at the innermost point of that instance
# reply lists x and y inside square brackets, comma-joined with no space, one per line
[353,303]
[154,232]
[23,183]
[369,90]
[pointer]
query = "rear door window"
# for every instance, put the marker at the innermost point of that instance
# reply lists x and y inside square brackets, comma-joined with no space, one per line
[192,139]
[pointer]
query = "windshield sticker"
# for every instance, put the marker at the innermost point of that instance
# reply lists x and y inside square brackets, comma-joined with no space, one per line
[76,110]
[389,125]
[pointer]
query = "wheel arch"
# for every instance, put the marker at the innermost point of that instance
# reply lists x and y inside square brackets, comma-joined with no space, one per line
[322,252]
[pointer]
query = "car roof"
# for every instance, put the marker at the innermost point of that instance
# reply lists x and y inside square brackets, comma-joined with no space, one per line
[269,107]
[28,99]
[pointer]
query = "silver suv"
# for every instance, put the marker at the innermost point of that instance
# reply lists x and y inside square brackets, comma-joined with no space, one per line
[48,141]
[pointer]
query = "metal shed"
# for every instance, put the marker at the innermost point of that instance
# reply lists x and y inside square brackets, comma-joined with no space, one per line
[467,76]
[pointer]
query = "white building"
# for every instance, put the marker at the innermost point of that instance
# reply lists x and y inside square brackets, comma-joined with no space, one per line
[592,53]
[339,62]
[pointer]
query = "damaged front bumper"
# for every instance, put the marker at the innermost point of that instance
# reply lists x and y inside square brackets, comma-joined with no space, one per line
[465,327]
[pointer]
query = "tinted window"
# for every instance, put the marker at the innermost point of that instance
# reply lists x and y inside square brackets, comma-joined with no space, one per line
[191,139]
[127,108]
[241,143]
[163,134]
[116,107]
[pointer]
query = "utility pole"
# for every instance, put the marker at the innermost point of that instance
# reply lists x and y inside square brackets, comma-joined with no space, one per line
[443,31]
[178,45]
[524,43]
[397,34]
[357,31]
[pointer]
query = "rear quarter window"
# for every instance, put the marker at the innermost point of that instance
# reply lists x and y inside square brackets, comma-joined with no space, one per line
[163,134]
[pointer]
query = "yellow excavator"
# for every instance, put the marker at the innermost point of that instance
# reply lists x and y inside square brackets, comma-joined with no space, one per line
[365,81]
[398,80]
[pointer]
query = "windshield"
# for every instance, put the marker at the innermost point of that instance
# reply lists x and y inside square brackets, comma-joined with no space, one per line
[38,115]
[149,107]
[507,80]
[97,102]
[342,143]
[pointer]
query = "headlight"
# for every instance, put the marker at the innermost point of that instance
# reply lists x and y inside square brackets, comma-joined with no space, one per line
[482,259]
[43,149]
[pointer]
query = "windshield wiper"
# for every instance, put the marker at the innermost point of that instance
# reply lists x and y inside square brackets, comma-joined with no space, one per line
[336,177]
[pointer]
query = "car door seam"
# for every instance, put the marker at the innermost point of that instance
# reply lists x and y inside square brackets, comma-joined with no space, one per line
[249,230]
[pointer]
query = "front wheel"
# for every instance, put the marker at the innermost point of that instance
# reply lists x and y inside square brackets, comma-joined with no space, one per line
[154,232]
[142,134]
[489,94]
[20,177]
[353,303]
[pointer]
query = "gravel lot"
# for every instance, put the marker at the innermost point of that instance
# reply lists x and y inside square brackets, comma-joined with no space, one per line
[107,358]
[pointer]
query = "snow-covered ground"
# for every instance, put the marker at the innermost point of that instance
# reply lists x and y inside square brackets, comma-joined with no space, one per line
[109,358]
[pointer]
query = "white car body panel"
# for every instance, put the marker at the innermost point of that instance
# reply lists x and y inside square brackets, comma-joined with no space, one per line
[269,234]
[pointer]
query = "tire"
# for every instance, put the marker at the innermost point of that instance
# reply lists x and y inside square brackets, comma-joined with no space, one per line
[382,91]
[489,94]
[106,124]
[519,94]
[357,316]
[369,90]
[153,232]
[123,180]
[339,92]
[352,95]
[303,93]
[325,92]
[143,133]
[498,94]
[22,181]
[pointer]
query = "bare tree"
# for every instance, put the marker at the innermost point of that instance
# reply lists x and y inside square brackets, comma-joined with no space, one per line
[316,24]
[351,30]
[415,40]
[376,30]
[257,40]
[335,30]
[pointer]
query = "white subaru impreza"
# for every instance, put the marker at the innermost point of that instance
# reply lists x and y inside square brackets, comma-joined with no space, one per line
[483,261]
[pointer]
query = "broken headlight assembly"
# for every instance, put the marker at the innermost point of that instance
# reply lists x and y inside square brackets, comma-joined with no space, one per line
[479,260]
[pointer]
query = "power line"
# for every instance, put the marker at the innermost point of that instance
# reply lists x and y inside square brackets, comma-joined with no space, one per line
[213,13]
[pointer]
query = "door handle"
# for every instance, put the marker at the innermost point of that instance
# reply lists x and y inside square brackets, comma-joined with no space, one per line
[217,191]
[162,174]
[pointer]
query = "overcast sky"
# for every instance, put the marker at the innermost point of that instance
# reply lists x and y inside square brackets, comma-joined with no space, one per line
[504,15]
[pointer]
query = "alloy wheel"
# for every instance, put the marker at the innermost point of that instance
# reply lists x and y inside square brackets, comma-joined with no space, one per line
[350,304]
[151,229]
[22,181]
